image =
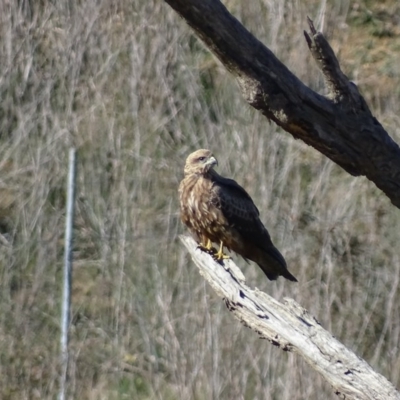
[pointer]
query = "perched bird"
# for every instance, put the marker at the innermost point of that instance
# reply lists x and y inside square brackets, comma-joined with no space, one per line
[218,210]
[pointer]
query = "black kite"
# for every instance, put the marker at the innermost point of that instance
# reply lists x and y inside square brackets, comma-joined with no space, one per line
[218,210]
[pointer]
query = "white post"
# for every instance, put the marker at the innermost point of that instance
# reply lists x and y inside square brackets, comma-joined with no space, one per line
[66,297]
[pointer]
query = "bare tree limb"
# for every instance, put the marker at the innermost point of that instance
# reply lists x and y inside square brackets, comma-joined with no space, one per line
[292,328]
[340,126]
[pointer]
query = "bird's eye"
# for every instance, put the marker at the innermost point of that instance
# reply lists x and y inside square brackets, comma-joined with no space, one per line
[202,158]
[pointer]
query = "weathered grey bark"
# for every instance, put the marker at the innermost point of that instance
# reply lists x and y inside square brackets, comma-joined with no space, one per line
[340,125]
[292,328]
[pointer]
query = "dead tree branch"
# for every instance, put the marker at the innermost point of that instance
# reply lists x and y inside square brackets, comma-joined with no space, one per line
[292,328]
[340,126]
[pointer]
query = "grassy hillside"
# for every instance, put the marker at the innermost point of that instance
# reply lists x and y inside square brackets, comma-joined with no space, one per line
[129,85]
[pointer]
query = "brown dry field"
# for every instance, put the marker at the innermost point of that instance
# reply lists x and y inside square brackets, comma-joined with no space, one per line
[130,87]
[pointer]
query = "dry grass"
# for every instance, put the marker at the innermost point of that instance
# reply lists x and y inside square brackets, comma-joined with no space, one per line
[135,92]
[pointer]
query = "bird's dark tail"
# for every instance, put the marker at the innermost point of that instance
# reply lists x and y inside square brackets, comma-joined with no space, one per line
[273,276]
[274,265]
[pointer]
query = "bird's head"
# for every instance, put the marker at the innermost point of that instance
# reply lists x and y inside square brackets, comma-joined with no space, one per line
[200,162]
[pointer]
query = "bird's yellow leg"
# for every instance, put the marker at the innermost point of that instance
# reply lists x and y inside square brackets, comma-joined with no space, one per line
[207,247]
[220,254]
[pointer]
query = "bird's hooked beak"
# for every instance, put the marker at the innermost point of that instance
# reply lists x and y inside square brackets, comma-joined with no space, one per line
[211,162]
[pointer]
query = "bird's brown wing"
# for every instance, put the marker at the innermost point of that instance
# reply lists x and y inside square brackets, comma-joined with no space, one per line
[242,215]
[240,211]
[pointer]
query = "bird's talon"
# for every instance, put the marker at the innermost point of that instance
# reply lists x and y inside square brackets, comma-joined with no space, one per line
[207,248]
[220,255]
[211,251]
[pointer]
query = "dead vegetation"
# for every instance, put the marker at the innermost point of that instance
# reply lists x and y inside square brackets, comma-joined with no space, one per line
[128,85]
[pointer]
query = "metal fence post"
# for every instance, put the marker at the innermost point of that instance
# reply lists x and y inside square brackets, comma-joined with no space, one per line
[66,296]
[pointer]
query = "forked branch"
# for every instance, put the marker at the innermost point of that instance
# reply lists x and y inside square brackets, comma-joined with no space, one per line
[292,328]
[340,125]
